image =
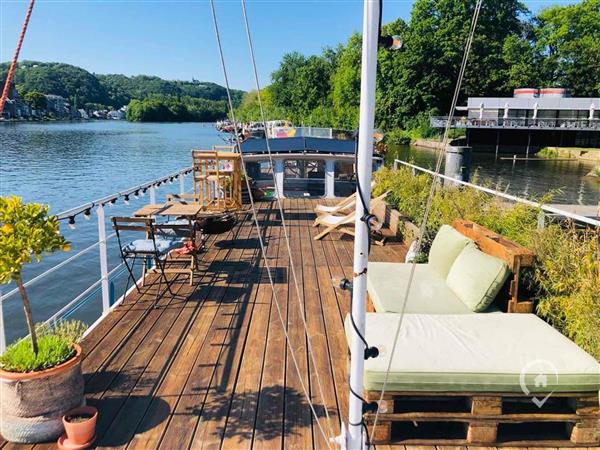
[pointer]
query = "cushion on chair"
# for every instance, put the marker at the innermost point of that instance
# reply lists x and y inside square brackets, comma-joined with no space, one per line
[173,233]
[475,352]
[446,246]
[476,278]
[147,246]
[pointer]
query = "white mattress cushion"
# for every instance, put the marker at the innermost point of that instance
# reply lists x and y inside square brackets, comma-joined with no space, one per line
[476,352]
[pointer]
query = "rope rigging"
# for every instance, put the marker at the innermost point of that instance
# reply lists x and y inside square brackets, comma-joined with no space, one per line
[433,187]
[278,196]
[13,63]
[260,238]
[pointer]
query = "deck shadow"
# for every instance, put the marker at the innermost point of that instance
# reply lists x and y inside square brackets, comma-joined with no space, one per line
[107,408]
[268,401]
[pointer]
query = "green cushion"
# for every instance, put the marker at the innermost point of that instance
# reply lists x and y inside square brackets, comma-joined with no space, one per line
[446,246]
[429,294]
[476,278]
[475,352]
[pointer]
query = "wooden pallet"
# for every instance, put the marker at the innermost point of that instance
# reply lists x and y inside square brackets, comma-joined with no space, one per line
[496,419]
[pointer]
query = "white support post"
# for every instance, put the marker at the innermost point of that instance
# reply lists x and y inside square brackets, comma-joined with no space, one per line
[181,183]
[329,178]
[279,177]
[361,242]
[103,260]
[152,195]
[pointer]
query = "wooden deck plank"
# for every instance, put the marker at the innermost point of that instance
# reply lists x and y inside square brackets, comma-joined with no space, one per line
[152,425]
[270,409]
[184,418]
[210,430]
[298,422]
[240,422]
[317,332]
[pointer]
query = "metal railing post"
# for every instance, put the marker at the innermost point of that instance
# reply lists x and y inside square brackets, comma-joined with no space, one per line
[103,259]
[152,195]
[182,183]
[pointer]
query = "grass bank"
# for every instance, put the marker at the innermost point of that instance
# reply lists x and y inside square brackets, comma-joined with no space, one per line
[565,281]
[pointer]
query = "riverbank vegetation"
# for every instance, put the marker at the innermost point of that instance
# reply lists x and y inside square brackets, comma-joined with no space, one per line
[186,100]
[566,279]
[173,109]
[512,48]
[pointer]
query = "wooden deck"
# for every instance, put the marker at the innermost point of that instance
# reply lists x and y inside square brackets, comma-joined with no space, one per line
[209,367]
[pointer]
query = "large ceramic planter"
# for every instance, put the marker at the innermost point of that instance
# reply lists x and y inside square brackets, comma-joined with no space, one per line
[32,404]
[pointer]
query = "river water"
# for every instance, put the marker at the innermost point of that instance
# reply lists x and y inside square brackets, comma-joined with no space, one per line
[69,164]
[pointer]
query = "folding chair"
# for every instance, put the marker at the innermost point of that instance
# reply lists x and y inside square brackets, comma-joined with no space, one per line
[344,205]
[340,223]
[153,246]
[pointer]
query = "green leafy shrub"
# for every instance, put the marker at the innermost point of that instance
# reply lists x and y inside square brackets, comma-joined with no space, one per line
[55,346]
[397,137]
[26,233]
[565,281]
[548,152]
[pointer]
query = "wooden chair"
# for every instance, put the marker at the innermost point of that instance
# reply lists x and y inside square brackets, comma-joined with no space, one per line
[341,223]
[218,180]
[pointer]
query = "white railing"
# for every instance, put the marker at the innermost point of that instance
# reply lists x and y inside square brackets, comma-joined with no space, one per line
[517,122]
[103,283]
[544,208]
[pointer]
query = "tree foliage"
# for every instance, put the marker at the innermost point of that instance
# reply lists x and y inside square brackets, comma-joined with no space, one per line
[160,108]
[75,83]
[26,233]
[558,47]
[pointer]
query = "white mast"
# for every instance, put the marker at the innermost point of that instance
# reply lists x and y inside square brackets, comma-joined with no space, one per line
[361,240]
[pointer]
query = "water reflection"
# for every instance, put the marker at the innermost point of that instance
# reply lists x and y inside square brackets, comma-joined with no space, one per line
[565,179]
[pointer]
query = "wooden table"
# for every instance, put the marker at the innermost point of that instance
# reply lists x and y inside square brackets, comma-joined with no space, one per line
[170,209]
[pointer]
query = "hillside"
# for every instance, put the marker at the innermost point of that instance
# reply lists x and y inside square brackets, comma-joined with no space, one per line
[109,90]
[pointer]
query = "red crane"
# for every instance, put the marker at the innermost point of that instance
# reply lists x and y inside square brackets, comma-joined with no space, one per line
[13,63]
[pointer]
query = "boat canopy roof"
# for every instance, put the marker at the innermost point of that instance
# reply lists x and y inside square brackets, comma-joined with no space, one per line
[299,145]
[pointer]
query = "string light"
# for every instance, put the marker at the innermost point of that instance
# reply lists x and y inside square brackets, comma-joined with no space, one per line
[136,194]
[112,202]
[72,222]
[87,214]
[144,192]
[126,199]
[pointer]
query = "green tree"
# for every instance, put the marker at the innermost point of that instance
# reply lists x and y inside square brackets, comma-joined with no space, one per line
[568,40]
[35,99]
[26,233]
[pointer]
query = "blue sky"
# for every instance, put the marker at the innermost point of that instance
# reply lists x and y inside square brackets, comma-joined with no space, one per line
[175,39]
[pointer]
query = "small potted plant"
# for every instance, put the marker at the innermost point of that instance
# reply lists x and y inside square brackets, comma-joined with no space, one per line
[40,375]
[80,428]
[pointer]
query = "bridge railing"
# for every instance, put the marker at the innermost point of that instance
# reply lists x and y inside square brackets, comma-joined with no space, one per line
[517,123]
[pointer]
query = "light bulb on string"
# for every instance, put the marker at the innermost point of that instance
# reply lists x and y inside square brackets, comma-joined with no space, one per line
[87,214]
[143,193]
[136,194]
[126,199]
[112,202]
[72,222]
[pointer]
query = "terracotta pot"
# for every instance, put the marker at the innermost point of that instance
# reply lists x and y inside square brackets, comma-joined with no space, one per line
[32,404]
[80,433]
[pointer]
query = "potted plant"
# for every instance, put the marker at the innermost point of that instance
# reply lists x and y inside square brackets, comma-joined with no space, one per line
[80,428]
[40,375]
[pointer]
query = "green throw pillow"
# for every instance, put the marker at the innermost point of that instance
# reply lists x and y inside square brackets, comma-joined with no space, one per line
[476,278]
[446,246]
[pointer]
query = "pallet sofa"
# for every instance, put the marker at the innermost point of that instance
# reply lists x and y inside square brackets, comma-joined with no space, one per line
[463,372]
